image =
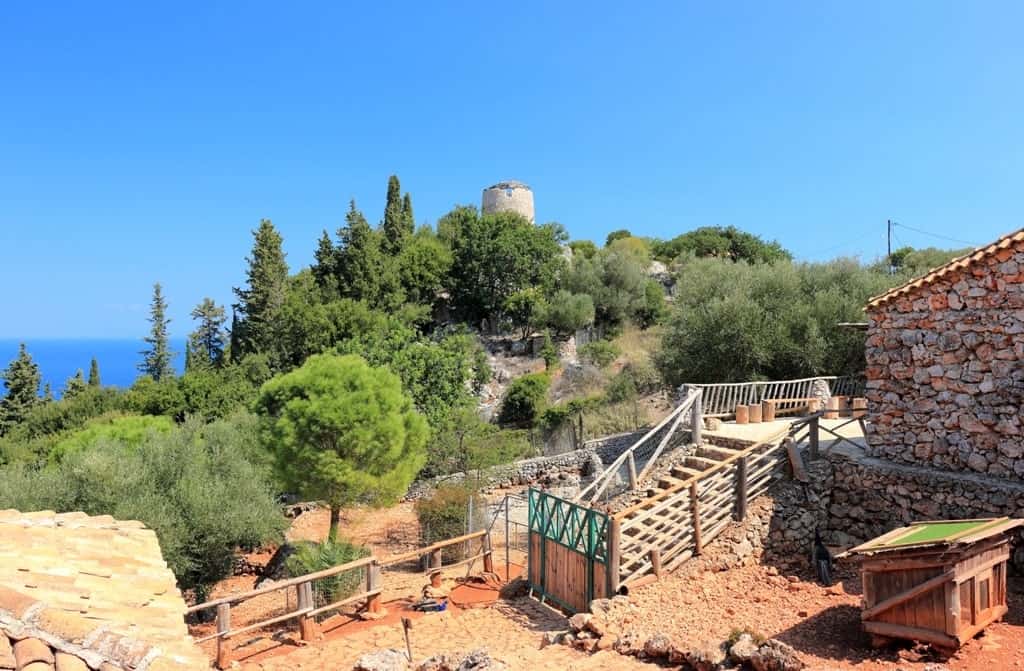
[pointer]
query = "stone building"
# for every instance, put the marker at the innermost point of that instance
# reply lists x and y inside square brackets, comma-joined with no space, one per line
[508,196]
[945,365]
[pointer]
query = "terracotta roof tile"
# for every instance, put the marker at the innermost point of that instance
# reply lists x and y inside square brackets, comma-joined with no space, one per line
[959,263]
[93,582]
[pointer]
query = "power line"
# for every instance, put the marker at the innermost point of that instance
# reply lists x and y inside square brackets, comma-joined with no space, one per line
[935,235]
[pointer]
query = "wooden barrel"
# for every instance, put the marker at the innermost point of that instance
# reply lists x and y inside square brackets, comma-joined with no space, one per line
[754,410]
[860,406]
[832,409]
[742,414]
[768,411]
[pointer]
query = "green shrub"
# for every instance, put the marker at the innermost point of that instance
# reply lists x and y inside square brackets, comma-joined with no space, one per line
[601,353]
[310,557]
[445,514]
[525,400]
[129,431]
[194,488]
[549,352]
[635,379]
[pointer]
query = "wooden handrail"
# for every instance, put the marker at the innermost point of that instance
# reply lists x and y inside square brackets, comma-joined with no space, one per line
[284,584]
[440,545]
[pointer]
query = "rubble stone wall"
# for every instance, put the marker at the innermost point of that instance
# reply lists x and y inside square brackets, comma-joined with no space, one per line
[945,370]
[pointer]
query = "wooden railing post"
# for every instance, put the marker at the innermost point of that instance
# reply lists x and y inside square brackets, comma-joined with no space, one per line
[741,488]
[374,604]
[223,627]
[698,545]
[614,555]
[435,558]
[697,420]
[655,556]
[631,464]
[488,559]
[812,437]
[308,629]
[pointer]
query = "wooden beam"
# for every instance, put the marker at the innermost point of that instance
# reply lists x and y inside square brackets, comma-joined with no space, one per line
[911,633]
[741,489]
[813,437]
[614,555]
[664,441]
[903,597]
[796,462]
[698,547]
[631,465]
[223,627]
[655,555]
[308,629]
[416,554]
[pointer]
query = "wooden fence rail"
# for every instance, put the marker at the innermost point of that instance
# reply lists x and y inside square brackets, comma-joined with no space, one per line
[721,399]
[306,609]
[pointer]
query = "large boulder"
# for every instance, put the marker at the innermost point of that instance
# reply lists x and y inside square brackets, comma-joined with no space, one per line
[775,655]
[708,656]
[657,646]
[743,649]
[382,660]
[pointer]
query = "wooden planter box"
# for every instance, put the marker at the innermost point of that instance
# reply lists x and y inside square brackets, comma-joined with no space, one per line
[936,582]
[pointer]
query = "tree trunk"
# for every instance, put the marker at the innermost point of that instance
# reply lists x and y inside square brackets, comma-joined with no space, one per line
[332,533]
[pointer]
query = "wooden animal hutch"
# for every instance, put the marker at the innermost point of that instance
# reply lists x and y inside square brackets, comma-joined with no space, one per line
[936,582]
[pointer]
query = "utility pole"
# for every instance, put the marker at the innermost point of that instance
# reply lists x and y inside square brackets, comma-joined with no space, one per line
[888,245]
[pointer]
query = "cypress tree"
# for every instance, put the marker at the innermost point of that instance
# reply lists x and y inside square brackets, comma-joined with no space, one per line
[156,360]
[364,271]
[408,219]
[325,264]
[47,393]
[260,302]
[94,373]
[206,343]
[21,383]
[74,386]
[395,227]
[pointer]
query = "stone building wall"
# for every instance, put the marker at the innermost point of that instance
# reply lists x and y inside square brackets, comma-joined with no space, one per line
[510,196]
[945,368]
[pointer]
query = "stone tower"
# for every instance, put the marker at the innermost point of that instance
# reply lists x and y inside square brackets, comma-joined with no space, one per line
[509,196]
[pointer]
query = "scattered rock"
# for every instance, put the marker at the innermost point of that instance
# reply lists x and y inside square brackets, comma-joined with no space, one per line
[774,655]
[382,660]
[708,656]
[579,621]
[657,646]
[479,660]
[743,649]
[519,587]
[439,663]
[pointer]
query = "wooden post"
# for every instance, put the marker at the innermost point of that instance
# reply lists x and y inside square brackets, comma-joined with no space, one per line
[697,421]
[631,463]
[488,558]
[223,627]
[435,558]
[698,546]
[655,556]
[768,411]
[754,412]
[375,603]
[860,407]
[741,488]
[308,629]
[614,555]
[742,414]
[832,409]
[812,437]
[796,462]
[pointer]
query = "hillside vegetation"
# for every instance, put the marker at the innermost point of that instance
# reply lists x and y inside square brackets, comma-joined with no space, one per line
[390,319]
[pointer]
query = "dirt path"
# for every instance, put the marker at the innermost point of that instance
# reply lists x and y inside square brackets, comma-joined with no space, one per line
[822,624]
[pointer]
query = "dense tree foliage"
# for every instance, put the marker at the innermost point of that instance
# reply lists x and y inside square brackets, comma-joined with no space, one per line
[21,390]
[261,300]
[207,341]
[342,431]
[721,243]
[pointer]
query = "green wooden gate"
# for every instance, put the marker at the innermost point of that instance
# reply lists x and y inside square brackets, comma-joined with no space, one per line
[569,551]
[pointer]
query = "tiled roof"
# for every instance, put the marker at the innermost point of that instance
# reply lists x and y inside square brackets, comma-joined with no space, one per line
[958,263]
[92,583]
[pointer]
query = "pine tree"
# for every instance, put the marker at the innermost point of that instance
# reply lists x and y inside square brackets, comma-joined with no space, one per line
[395,227]
[94,373]
[325,265]
[74,386]
[21,383]
[206,343]
[261,301]
[47,393]
[364,271]
[156,361]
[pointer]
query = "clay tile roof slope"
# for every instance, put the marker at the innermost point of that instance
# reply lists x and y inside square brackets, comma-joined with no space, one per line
[98,572]
[958,263]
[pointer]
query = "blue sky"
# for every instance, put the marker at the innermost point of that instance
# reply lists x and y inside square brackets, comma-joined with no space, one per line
[143,141]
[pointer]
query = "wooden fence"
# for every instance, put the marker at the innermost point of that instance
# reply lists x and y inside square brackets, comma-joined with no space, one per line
[720,400]
[366,570]
[634,463]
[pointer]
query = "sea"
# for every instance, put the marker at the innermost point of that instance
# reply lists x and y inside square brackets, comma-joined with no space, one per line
[59,359]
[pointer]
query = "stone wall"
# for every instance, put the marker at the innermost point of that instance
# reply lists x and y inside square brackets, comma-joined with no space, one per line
[945,370]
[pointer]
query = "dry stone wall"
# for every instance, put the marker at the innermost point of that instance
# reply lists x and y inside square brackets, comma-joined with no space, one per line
[945,370]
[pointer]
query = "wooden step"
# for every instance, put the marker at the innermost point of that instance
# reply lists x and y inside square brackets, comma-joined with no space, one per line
[700,463]
[684,473]
[667,481]
[715,452]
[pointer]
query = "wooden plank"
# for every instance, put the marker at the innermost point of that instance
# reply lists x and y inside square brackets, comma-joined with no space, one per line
[631,464]
[614,554]
[911,633]
[344,602]
[265,623]
[903,597]
[741,488]
[965,576]
[223,629]
[695,514]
